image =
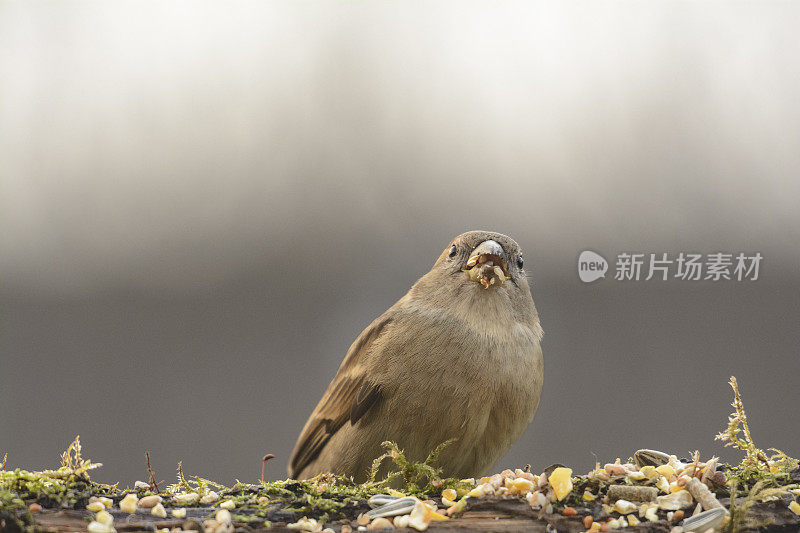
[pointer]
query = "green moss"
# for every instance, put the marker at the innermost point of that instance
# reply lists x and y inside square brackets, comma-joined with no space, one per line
[65,487]
[756,468]
[328,496]
[419,479]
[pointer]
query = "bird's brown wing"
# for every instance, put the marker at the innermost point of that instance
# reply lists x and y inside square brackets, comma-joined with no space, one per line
[349,396]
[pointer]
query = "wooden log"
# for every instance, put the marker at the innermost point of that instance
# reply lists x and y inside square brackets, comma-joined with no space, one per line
[493,515]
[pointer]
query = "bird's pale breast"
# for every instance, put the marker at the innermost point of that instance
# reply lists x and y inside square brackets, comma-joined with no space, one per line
[483,381]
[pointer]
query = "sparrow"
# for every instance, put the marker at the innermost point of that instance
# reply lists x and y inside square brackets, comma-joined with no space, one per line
[458,357]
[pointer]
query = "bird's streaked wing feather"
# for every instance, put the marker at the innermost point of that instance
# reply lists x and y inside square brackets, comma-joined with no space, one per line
[348,398]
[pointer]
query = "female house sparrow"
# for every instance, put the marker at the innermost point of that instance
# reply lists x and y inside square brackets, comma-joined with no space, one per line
[458,357]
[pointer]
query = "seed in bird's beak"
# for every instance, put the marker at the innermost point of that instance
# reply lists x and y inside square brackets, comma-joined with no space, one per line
[485,270]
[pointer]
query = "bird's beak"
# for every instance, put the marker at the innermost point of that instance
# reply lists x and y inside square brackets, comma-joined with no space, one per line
[487,265]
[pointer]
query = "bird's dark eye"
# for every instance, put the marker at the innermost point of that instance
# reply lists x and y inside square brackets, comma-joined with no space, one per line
[453,251]
[520,262]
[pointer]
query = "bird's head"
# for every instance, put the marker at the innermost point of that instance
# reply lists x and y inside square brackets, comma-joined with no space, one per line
[479,271]
[488,259]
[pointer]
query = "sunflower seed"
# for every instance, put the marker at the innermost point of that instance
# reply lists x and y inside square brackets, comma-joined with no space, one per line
[397,507]
[650,457]
[705,520]
[711,469]
[381,499]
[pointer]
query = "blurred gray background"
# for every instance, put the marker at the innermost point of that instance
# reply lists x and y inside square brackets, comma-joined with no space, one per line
[202,205]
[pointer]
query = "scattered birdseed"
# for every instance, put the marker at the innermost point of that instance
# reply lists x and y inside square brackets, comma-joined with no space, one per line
[663,484]
[666,470]
[223,516]
[148,502]
[650,458]
[211,497]
[129,503]
[449,497]
[179,513]
[615,469]
[108,502]
[624,507]
[381,523]
[96,506]
[97,527]
[634,493]
[104,517]
[636,476]
[795,507]
[228,504]
[304,524]
[381,499]
[186,498]
[402,521]
[676,500]
[420,517]
[704,521]
[561,481]
[523,485]
[396,507]
[704,496]
[159,511]
[649,471]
